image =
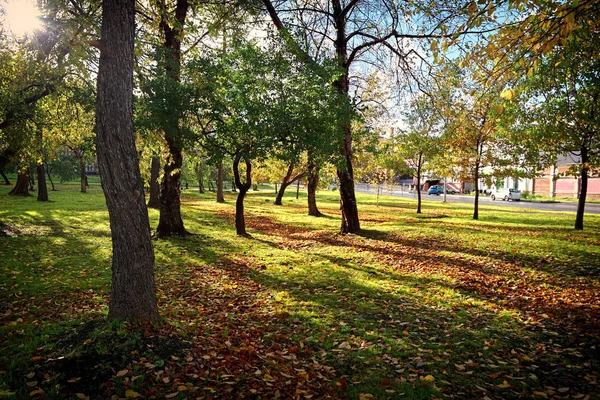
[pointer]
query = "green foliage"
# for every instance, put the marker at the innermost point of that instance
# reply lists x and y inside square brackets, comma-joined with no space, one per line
[556,111]
[64,166]
[264,102]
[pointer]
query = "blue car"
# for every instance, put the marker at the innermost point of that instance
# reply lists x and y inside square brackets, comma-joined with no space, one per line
[435,189]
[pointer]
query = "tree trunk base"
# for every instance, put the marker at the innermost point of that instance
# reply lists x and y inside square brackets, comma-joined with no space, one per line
[21,187]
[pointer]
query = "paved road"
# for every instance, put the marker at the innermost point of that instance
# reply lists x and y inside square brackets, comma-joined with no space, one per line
[590,208]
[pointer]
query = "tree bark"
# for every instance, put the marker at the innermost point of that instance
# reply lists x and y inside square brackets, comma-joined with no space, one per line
[170,221]
[31,181]
[419,183]
[476,204]
[132,292]
[220,197]
[584,185]
[42,192]
[22,186]
[240,222]
[287,180]
[6,181]
[82,172]
[154,200]
[313,184]
[5,157]
[200,175]
[50,177]
[350,220]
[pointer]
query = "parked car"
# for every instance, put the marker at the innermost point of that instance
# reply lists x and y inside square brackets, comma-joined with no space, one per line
[506,194]
[438,189]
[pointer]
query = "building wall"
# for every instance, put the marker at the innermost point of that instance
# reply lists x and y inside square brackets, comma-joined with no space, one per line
[564,186]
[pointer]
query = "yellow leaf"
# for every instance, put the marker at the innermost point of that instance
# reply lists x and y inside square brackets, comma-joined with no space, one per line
[269,378]
[81,396]
[365,396]
[182,388]
[540,394]
[434,45]
[499,109]
[131,394]
[122,372]
[507,94]
[427,379]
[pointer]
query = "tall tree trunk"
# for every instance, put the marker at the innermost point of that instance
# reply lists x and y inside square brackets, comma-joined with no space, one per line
[220,197]
[132,292]
[82,172]
[476,204]
[170,221]
[240,222]
[31,181]
[6,181]
[42,192]
[287,180]
[584,185]
[154,200]
[350,220]
[200,175]
[50,177]
[4,160]
[311,187]
[419,183]
[22,186]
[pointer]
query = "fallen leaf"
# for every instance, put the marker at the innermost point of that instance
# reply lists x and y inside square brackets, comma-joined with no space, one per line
[132,394]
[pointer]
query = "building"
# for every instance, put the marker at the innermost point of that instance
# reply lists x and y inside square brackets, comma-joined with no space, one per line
[557,181]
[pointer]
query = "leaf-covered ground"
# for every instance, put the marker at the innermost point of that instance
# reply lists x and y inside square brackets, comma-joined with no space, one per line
[429,306]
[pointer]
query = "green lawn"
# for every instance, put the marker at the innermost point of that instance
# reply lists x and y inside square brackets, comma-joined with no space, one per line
[415,306]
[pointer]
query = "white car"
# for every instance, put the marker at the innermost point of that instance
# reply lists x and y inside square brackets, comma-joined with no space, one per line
[506,194]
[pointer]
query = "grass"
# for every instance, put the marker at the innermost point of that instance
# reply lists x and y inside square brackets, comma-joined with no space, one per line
[414,306]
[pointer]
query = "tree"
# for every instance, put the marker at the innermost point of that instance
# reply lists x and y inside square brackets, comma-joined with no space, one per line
[559,104]
[132,292]
[35,68]
[258,103]
[412,150]
[472,135]
[356,31]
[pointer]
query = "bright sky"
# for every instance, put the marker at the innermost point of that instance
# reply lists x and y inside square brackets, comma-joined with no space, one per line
[20,17]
